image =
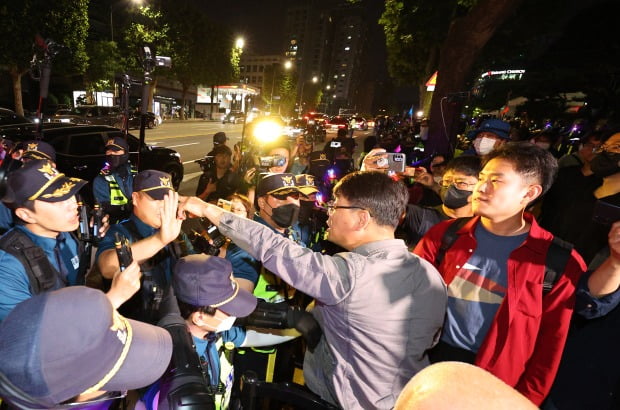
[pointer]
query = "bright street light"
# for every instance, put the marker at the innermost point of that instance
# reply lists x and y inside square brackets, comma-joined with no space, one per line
[116,5]
[240,42]
[288,65]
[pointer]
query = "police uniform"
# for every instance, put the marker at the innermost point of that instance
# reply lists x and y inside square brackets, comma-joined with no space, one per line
[37,180]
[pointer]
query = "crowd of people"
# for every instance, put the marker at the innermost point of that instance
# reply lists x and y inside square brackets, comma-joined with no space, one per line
[504,259]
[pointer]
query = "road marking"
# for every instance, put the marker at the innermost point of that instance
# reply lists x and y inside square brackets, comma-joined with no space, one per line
[193,175]
[193,160]
[182,145]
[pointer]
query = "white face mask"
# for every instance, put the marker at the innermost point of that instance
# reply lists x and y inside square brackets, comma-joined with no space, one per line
[225,324]
[484,145]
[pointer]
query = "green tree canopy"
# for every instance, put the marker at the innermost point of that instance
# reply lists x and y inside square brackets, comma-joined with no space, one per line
[64,21]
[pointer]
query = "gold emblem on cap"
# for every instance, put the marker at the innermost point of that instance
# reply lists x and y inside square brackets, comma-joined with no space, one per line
[165,182]
[288,181]
[323,156]
[32,146]
[58,192]
[48,170]
[310,180]
[110,141]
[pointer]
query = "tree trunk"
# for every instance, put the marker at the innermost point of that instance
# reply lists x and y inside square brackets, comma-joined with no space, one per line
[466,38]
[16,77]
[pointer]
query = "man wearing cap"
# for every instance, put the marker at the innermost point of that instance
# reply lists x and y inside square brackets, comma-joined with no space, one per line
[34,150]
[311,218]
[69,348]
[380,307]
[491,134]
[40,254]
[151,228]
[112,188]
[210,299]
[220,181]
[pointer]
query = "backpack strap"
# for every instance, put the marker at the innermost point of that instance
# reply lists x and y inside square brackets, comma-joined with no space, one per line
[555,264]
[449,237]
[41,273]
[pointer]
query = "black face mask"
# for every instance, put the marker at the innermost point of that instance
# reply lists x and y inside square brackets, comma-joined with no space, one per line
[305,211]
[454,198]
[605,164]
[285,215]
[116,161]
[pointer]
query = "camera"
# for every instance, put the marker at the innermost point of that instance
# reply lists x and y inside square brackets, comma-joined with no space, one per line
[150,61]
[207,164]
[271,161]
[394,161]
[309,137]
[201,242]
[335,144]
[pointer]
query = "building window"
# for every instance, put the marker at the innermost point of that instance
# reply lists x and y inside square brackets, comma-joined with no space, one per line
[253,80]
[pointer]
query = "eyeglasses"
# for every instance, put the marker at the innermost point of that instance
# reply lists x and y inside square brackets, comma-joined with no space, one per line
[607,148]
[331,208]
[459,184]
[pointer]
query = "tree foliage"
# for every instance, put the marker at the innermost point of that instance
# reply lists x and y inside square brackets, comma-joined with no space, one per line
[64,21]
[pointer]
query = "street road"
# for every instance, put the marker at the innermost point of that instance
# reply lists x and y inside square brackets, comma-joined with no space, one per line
[193,139]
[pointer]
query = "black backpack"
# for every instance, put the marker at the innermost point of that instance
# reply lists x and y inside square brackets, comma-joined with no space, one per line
[41,273]
[557,256]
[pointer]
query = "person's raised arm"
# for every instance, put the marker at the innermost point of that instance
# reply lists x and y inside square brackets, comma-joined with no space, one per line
[606,279]
[146,248]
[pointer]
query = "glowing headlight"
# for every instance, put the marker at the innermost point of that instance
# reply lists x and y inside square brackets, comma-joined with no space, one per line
[268,131]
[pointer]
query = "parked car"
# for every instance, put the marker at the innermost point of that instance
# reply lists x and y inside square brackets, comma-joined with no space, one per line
[91,115]
[336,123]
[9,117]
[234,117]
[80,150]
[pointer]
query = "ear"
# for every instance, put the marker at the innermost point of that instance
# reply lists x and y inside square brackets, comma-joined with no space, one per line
[363,220]
[197,319]
[25,215]
[135,196]
[533,192]
[261,202]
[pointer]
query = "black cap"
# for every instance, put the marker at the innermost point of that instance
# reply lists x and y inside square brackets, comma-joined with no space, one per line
[219,138]
[38,179]
[276,184]
[117,144]
[155,183]
[39,150]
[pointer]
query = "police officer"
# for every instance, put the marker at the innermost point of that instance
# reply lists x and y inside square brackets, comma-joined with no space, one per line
[112,188]
[40,254]
[151,228]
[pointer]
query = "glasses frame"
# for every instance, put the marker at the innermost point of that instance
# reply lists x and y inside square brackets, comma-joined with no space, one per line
[331,208]
[459,184]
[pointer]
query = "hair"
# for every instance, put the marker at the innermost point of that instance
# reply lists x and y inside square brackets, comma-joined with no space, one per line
[187,309]
[246,203]
[28,204]
[469,165]
[384,197]
[598,135]
[277,143]
[221,149]
[529,160]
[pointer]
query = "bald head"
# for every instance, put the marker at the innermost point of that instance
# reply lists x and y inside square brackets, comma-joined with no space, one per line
[456,385]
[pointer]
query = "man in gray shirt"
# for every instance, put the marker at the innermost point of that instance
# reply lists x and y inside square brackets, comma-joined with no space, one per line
[380,307]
